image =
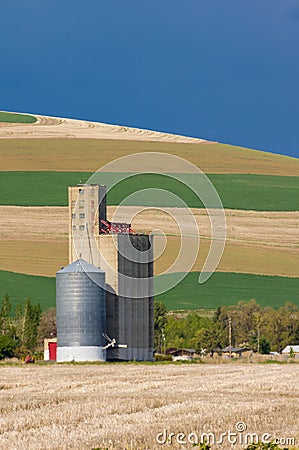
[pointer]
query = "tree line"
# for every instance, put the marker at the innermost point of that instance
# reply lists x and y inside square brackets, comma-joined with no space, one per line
[262,329]
[18,329]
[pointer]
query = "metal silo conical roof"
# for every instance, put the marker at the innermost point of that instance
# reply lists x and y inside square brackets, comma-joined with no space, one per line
[80,266]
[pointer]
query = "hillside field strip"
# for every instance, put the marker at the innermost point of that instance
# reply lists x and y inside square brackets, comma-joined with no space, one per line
[125,406]
[225,289]
[89,155]
[34,240]
[15,118]
[19,287]
[242,191]
[222,289]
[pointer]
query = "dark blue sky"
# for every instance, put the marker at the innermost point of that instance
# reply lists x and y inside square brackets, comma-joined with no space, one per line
[223,70]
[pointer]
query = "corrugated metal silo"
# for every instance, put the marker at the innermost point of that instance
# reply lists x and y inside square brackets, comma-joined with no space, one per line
[135,297]
[80,312]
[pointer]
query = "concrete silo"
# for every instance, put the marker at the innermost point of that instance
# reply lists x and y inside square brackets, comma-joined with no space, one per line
[87,207]
[80,312]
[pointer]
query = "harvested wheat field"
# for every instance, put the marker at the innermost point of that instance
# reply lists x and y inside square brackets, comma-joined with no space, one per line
[34,240]
[121,406]
[88,155]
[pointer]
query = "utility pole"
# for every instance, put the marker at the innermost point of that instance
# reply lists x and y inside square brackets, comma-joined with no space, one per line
[258,336]
[257,318]
[230,336]
[163,340]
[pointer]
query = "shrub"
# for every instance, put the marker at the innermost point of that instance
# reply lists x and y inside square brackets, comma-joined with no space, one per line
[7,347]
[261,446]
[203,446]
[159,357]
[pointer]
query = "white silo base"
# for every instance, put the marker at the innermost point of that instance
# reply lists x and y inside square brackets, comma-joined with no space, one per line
[80,354]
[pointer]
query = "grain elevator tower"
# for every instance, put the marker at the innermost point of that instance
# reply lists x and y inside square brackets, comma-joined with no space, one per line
[127,260]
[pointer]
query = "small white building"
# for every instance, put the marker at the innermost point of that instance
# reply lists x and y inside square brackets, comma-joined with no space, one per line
[286,351]
[183,354]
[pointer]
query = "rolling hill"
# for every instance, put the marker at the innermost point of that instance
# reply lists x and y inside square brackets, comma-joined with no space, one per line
[40,156]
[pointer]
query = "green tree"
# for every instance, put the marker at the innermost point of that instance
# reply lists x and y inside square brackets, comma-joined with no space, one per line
[7,347]
[5,316]
[175,333]
[182,332]
[217,315]
[281,327]
[244,319]
[264,346]
[28,320]
[205,339]
[220,320]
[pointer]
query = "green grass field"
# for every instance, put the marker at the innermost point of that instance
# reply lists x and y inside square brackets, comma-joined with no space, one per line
[250,192]
[227,289]
[242,191]
[19,287]
[37,188]
[16,118]
[220,289]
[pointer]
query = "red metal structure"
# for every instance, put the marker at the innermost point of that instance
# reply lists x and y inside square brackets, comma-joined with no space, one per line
[107,227]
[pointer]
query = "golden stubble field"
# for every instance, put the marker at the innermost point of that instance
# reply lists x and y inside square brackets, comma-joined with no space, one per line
[89,155]
[119,406]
